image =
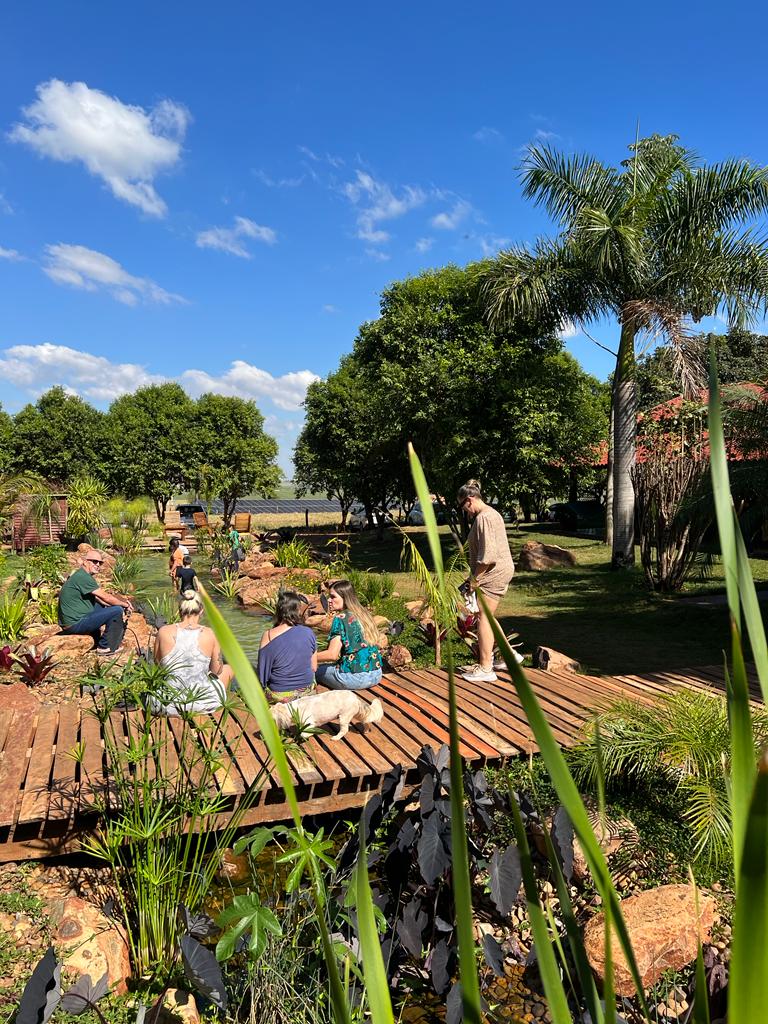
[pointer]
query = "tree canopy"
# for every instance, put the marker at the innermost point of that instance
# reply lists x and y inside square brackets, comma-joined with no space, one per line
[507,405]
[58,436]
[229,441]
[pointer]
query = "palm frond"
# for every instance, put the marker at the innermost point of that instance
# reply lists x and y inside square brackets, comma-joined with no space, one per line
[708,816]
[566,185]
[710,199]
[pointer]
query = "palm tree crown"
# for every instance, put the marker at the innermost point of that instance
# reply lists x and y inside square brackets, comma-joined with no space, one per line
[654,243]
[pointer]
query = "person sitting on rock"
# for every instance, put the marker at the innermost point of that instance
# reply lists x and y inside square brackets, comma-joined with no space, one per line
[86,609]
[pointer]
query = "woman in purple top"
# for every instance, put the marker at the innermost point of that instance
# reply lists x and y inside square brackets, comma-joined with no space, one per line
[288,652]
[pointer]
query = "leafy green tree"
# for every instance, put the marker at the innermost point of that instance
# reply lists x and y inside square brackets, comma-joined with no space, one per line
[651,243]
[6,441]
[506,405]
[345,448]
[230,442]
[57,437]
[151,443]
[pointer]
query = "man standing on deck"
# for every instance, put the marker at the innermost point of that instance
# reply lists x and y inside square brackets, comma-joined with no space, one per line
[86,609]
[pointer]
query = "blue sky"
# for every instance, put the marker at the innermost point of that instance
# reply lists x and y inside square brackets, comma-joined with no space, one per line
[218,194]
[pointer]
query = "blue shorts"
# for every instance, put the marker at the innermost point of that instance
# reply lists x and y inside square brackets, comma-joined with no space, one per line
[330,676]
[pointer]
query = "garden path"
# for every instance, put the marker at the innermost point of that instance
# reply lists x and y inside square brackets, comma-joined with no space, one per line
[47,797]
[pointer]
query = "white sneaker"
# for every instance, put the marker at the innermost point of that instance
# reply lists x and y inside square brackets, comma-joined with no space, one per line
[499,665]
[479,675]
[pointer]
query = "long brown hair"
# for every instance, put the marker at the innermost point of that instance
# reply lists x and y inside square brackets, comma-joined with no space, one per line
[346,592]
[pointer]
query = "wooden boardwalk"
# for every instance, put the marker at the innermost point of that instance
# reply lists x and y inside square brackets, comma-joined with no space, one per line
[47,795]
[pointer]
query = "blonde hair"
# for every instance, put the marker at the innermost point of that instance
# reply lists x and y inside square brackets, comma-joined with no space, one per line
[190,604]
[471,489]
[346,592]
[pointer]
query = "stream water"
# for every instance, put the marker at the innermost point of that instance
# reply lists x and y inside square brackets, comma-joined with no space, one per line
[247,626]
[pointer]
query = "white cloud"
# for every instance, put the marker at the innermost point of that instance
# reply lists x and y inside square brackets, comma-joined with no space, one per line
[540,135]
[231,240]
[10,254]
[377,255]
[83,268]
[248,381]
[488,134]
[5,206]
[38,367]
[449,220]
[492,244]
[376,203]
[329,308]
[124,145]
[424,244]
[568,330]
[265,179]
[333,161]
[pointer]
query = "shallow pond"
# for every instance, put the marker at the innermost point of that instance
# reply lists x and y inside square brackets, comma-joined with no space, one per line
[247,626]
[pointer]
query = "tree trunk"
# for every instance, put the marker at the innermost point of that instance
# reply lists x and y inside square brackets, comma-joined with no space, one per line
[624,436]
[573,484]
[160,504]
[609,486]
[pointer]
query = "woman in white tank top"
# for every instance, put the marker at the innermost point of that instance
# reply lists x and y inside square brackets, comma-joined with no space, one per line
[198,677]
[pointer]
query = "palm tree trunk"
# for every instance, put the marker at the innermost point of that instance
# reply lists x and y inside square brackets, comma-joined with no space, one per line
[609,486]
[624,435]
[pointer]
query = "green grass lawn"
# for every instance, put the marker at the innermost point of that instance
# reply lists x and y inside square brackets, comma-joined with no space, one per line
[607,621]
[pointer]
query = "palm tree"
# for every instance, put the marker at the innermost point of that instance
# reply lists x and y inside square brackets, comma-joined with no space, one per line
[658,241]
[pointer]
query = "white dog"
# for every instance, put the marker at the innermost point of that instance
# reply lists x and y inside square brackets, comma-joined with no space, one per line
[342,706]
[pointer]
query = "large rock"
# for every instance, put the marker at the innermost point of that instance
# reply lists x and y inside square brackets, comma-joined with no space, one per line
[664,929]
[254,594]
[64,647]
[39,635]
[89,942]
[535,556]
[17,696]
[398,656]
[179,1007]
[549,660]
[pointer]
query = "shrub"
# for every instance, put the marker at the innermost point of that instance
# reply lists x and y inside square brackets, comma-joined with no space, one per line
[294,554]
[47,564]
[125,573]
[86,497]
[13,609]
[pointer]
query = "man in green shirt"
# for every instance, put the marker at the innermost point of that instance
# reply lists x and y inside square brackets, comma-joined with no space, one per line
[86,609]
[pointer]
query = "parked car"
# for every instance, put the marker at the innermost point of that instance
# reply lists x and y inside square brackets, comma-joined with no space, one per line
[578,515]
[357,518]
[416,516]
[187,513]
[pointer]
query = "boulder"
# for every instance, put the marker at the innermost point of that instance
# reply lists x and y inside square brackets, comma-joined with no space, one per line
[321,623]
[549,660]
[68,648]
[258,591]
[383,641]
[253,560]
[89,942]
[179,1007]
[664,929]
[535,556]
[39,636]
[611,835]
[234,867]
[17,696]
[381,621]
[267,570]
[398,656]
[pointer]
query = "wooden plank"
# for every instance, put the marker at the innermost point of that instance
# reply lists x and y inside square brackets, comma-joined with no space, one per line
[13,768]
[398,745]
[228,779]
[433,732]
[64,784]
[248,756]
[93,783]
[146,768]
[34,802]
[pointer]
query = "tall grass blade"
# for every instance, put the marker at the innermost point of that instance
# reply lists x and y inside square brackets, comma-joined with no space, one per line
[740,719]
[748,982]
[253,694]
[375,975]
[752,617]
[565,787]
[462,888]
[548,969]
